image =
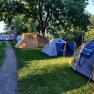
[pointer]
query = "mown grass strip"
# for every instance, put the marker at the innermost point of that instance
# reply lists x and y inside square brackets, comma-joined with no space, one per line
[2,51]
[41,74]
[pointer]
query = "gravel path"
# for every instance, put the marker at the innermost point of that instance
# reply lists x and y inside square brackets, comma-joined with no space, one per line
[8,72]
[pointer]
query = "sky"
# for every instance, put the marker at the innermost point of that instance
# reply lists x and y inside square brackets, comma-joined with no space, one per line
[89,8]
[2,25]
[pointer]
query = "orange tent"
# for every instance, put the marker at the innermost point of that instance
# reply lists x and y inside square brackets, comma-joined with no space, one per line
[31,40]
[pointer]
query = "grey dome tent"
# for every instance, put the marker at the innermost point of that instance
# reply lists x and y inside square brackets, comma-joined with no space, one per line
[84,61]
[55,47]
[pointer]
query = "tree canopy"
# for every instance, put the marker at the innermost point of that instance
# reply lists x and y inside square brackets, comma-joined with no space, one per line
[90,34]
[50,15]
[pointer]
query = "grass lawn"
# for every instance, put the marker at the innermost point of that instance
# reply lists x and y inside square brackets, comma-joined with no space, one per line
[2,51]
[41,74]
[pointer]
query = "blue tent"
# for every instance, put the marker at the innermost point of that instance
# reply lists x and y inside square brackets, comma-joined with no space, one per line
[70,48]
[84,61]
[65,48]
[59,47]
[54,47]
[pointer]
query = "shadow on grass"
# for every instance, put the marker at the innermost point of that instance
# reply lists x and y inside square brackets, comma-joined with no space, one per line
[58,81]
[30,54]
[24,55]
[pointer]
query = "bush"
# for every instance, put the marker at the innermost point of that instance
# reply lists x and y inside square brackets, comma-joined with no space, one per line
[89,35]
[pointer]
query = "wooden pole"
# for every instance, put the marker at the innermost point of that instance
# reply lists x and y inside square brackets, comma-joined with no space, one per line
[64,50]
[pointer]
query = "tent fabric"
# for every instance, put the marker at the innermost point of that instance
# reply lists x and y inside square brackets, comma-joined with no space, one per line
[58,47]
[70,48]
[31,40]
[84,61]
[17,38]
[51,48]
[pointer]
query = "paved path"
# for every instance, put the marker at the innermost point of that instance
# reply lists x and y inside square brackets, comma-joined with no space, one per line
[8,72]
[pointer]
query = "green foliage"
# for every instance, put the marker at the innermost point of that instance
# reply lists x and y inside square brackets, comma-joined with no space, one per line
[91,22]
[21,24]
[90,34]
[50,15]
[10,8]
[18,24]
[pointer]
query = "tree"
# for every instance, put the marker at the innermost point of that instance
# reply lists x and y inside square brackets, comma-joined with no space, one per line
[50,15]
[90,34]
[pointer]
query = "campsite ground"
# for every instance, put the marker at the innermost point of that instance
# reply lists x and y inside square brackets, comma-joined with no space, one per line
[41,74]
[2,51]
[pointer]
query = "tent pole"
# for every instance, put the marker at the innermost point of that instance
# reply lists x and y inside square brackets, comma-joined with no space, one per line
[91,76]
[64,50]
[75,49]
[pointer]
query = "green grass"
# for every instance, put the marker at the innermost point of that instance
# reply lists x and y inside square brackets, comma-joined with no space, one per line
[41,74]
[2,51]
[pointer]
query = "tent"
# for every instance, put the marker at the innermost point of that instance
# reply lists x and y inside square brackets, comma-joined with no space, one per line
[58,47]
[55,47]
[84,60]
[70,48]
[17,38]
[31,40]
